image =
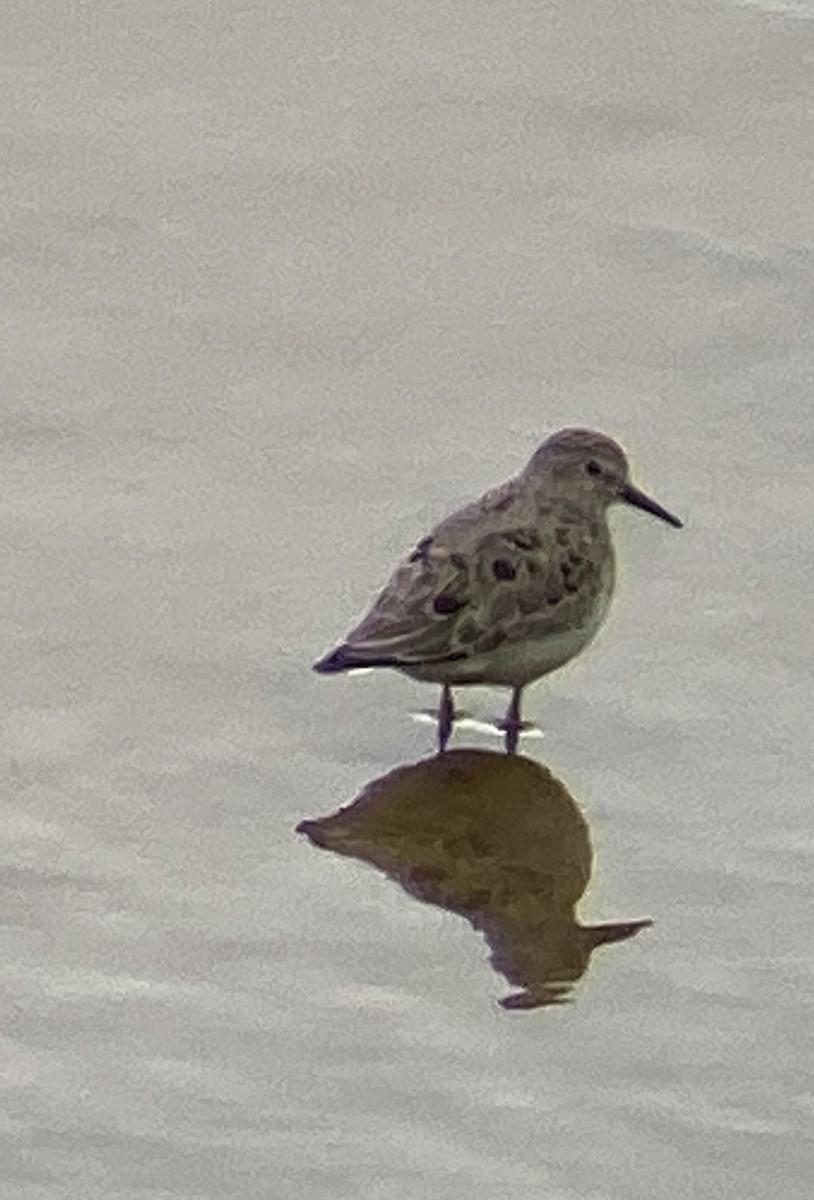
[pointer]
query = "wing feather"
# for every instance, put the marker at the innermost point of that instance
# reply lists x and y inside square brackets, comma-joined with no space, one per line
[459,596]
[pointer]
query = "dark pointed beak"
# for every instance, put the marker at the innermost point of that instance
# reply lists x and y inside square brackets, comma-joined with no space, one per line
[632,495]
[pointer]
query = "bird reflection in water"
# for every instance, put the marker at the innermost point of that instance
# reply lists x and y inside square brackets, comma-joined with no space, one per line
[497,840]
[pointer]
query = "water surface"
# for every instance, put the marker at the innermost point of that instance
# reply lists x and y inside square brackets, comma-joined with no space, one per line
[283,285]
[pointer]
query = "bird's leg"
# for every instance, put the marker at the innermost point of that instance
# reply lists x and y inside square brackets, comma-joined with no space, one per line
[512,724]
[446,717]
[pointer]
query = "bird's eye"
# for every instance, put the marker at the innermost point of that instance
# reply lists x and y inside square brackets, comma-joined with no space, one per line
[593,467]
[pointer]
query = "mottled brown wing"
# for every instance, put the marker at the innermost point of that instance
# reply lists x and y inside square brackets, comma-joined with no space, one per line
[525,578]
[413,619]
[444,605]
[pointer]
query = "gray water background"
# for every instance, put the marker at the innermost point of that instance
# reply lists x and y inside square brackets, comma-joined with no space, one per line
[282,284]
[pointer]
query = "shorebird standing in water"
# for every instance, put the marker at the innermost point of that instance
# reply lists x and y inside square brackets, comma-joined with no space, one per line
[509,588]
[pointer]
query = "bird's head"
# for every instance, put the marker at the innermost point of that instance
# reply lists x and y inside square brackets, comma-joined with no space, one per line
[593,468]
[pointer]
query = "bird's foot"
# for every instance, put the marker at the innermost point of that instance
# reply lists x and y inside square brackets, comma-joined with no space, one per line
[511,731]
[503,726]
[429,716]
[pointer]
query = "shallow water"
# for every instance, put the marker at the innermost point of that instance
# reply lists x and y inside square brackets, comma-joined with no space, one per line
[283,286]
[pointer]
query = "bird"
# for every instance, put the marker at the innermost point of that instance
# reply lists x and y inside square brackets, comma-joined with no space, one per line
[508,588]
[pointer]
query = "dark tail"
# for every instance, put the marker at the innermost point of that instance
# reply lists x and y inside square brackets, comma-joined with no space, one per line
[344,659]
